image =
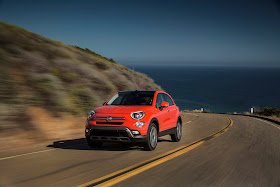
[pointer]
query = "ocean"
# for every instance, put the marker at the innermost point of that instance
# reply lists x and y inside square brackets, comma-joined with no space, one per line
[218,89]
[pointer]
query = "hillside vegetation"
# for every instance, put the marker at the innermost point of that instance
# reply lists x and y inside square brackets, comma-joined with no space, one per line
[59,78]
[269,112]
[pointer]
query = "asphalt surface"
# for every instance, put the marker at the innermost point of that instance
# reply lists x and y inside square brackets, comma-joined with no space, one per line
[247,154]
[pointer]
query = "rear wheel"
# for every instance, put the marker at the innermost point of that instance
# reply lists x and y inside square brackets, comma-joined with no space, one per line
[94,144]
[152,139]
[178,134]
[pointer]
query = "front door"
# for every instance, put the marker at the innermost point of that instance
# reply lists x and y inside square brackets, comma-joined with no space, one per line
[172,111]
[162,113]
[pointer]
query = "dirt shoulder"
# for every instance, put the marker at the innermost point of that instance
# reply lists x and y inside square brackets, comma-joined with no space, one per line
[46,128]
[273,118]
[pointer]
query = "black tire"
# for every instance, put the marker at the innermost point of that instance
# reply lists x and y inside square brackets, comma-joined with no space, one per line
[152,138]
[94,144]
[178,134]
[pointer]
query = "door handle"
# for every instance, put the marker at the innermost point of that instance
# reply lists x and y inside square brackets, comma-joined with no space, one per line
[168,110]
[176,109]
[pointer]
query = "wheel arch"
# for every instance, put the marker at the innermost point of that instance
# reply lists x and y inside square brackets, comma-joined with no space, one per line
[155,121]
[180,119]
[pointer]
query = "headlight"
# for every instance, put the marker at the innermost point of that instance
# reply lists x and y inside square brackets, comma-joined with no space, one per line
[137,115]
[91,114]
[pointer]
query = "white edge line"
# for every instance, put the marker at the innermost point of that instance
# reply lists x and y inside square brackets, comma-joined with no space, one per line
[268,123]
[9,157]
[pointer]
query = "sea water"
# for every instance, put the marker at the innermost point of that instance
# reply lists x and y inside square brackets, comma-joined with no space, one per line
[218,89]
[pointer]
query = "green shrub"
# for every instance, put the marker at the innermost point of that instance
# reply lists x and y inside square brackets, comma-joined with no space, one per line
[8,87]
[101,65]
[93,53]
[64,75]
[83,100]
[34,62]
[269,111]
[50,92]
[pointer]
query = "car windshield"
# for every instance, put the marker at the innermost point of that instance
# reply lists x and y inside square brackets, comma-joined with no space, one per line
[132,98]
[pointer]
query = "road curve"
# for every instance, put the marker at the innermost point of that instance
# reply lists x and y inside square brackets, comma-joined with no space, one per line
[248,154]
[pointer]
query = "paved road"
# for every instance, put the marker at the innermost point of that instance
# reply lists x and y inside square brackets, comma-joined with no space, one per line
[247,154]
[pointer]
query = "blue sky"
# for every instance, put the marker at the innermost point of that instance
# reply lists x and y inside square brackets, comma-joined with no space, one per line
[195,33]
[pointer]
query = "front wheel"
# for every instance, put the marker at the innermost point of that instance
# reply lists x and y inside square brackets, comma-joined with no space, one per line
[94,144]
[152,139]
[178,134]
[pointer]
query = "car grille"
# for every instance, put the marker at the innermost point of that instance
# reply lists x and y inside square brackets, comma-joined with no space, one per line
[112,118]
[109,123]
[119,133]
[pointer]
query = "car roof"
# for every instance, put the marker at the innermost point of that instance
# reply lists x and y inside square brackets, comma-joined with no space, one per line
[143,91]
[150,91]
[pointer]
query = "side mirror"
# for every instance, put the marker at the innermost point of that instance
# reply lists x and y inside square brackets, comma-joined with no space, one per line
[164,104]
[104,103]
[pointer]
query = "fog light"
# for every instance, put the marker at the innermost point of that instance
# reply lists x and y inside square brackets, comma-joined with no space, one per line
[135,132]
[139,124]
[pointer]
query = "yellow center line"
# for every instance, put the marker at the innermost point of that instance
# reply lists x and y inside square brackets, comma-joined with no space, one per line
[146,167]
[128,172]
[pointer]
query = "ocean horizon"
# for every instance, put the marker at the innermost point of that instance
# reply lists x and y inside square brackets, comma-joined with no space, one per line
[218,89]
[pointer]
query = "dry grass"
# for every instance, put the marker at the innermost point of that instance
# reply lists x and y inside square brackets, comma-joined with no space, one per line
[194,111]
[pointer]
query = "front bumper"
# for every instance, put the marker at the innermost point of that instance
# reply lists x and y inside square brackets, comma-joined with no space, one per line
[112,134]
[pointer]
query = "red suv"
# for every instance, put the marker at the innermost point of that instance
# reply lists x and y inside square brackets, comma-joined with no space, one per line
[134,116]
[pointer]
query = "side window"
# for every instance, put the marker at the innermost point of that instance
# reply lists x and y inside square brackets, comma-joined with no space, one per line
[159,99]
[168,99]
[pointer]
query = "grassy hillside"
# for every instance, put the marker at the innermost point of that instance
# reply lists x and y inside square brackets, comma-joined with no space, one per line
[62,79]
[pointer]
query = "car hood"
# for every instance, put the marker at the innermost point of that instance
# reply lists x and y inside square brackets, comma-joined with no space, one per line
[117,109]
